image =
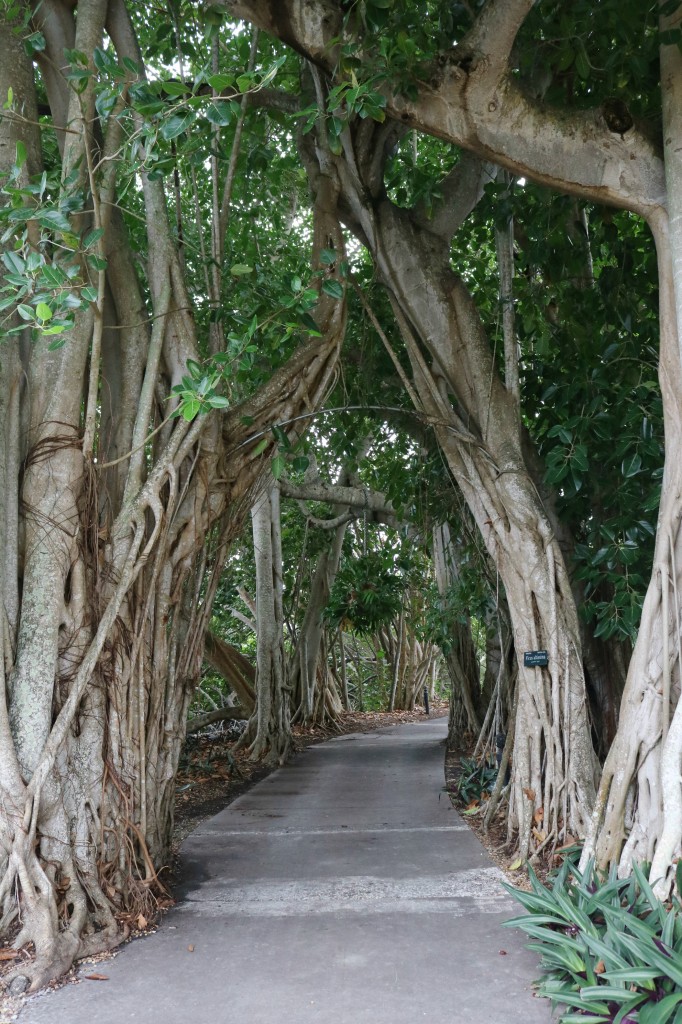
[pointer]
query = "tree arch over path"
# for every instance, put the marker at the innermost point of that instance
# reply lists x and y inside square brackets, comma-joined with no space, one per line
[470,93]
[115,516]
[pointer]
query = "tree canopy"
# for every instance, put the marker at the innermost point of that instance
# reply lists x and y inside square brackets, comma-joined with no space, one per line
[401,281]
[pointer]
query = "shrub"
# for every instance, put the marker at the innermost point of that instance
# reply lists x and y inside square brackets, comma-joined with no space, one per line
[610,950]
[474,779]
[367,592]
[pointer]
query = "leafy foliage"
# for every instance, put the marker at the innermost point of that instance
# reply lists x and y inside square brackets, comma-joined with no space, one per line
[43,257]
[367,592]
[475,779]
[610,950]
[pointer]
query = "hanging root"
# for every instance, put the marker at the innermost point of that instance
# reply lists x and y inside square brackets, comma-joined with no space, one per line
[56,918]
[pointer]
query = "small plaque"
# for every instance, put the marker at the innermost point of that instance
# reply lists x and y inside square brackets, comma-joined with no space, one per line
[535,659]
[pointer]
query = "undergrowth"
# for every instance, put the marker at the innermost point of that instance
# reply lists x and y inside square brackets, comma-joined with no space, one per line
[611,952]
[475,780]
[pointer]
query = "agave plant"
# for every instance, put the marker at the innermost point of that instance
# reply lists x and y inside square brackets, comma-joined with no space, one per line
[611,952]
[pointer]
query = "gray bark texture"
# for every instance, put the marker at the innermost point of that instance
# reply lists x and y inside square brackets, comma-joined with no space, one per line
[473,98]
[113,531]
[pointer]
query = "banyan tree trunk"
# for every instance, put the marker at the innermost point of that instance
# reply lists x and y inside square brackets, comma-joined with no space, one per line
[475,417]
[309,678]
[113,525]
[269,731]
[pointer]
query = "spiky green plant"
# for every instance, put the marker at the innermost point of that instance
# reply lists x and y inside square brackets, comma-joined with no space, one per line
[611,952]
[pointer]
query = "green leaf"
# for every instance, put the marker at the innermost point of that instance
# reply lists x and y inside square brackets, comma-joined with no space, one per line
[43,312]
[102,60]
[650,954]
[583,1018]
[277,466]
[89,293]
[92,237]
[261,446]
[176,125]
[20,159]
[13,262]
[34,43]
[172,88]
[53,219]
[613,993]
[631,464]
[281,437]
[220,113]
[97,262]
[218,402]
[645,976]
[333,288]
[582,64]
[244,82]
[25,312]
[240,269]
[190,408]
[661,1012]
[220,82]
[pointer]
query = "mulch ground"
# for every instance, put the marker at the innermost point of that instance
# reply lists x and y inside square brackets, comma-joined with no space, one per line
[494,839]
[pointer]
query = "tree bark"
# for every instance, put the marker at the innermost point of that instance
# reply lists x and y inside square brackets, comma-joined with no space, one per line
[307,672]
[450,355]
[237,670]
[269,731]
[114,525]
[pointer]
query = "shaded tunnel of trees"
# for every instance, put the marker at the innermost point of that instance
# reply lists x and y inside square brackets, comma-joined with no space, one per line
[339,362]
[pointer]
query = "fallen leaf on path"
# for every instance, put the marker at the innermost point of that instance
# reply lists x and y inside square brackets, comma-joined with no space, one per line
[529,794]
[515,864]
[141,922]
[191,949]
[9,954]
[96,977]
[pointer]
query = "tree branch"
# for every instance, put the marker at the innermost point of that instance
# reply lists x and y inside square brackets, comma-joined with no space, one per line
[221,715]
[336,494]
[481,107]
[461,190]
[492,35]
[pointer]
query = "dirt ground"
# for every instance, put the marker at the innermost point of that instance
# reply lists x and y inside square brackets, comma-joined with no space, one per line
[495,838]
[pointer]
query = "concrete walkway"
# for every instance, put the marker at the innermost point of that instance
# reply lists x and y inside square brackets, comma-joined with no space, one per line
[343,889]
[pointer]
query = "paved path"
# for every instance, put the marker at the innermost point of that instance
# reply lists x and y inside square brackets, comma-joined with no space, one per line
[343,889]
